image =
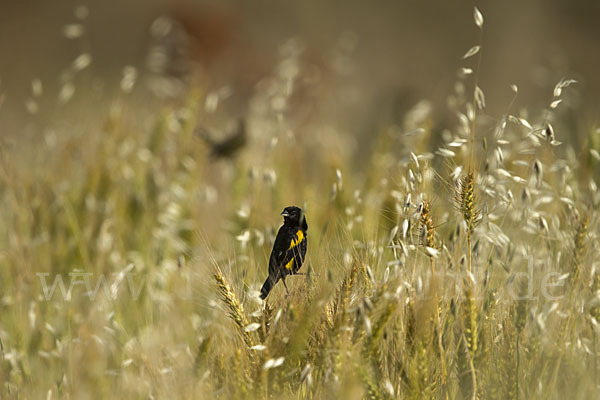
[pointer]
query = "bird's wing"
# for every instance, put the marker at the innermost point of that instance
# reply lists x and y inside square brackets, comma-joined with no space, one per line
[280,247]
[295,252]
[288,245]
[299,252]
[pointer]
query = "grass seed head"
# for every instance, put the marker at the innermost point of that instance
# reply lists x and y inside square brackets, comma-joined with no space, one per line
[465,200]
[234,307]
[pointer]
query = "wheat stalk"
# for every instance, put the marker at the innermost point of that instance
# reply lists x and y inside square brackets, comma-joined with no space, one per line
[234,307]
[579,247]
[429,230]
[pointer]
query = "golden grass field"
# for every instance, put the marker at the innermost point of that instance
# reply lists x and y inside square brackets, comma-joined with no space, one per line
[446,259]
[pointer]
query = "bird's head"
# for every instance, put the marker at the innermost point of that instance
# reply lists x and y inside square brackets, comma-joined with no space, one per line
[293,215]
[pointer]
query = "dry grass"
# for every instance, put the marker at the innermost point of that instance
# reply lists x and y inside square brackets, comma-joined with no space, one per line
[409,293]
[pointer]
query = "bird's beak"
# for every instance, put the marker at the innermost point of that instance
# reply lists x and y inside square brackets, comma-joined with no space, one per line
[285,214]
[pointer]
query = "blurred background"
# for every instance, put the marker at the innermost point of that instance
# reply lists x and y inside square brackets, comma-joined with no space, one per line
[362,64]
[163,138]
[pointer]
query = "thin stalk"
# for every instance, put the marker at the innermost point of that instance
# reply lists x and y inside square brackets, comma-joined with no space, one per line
[517,369]
[469,250]
[473,379]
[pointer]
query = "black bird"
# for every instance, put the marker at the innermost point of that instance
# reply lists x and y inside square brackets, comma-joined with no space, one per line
[289,249]
[228,147]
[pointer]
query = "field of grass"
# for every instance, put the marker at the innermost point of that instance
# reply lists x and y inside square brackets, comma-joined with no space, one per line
[442,263]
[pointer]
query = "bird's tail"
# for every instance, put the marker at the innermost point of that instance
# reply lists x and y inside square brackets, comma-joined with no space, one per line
[267,286]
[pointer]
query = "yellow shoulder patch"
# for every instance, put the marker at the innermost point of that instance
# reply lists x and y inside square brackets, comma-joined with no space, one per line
[289,265]
[298,240]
